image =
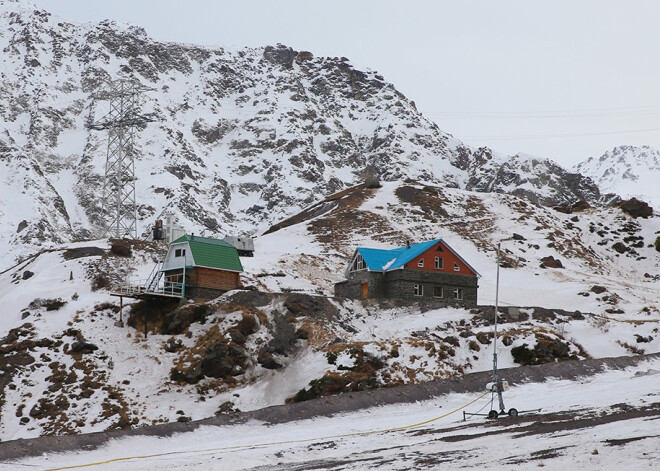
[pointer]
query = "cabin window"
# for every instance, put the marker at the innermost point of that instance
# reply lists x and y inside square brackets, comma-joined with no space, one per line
[359,263]
[437,291]
[180,253]
[456,267]
[439,263]
[458,293]
[420,263]
[419,290]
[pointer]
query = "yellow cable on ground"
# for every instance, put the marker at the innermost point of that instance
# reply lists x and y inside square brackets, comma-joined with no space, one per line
[256,445]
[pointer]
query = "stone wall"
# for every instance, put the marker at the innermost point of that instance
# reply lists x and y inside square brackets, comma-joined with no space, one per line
[400,284]
[195,292]
[352,288]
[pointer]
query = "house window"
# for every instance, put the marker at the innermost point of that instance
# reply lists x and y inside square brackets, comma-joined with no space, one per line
[439,249]
[180,253]
[419,290]
[420,263]
[458,293]
[439,263]
[359,263]
[456,267]
[437,291]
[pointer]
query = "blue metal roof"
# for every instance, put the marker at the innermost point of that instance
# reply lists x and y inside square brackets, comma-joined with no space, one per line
[383,260]
[386,260]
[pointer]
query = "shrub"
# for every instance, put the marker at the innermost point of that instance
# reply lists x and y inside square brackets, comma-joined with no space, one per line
[100,281]
[523,355]
[53,304]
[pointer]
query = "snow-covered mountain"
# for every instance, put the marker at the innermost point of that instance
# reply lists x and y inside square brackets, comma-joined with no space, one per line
[242,138]
[629,171]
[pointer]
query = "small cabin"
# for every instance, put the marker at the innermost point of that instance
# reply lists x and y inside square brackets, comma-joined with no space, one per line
[431,270]
[204,267]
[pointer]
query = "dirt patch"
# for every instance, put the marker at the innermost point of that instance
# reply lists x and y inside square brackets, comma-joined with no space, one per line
[81,252]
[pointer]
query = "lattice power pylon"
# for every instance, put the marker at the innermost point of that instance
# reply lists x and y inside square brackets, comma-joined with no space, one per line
[119,210]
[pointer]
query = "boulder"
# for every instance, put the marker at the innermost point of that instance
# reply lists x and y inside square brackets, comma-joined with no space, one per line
[281,55]
[304,56]
[271,364]
[484,337]
[580,206]
[551,262]
[317,307]
[82,346]
[177,321]
[466,333]
[216,367]
[620,247]
[190,376]
[636,208]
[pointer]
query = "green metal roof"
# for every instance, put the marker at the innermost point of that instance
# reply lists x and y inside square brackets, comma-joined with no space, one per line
[212,253]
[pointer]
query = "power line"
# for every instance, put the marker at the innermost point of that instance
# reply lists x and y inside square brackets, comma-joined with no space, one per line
[594,113]
[554,136]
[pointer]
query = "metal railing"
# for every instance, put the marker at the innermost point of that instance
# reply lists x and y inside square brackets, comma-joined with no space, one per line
[170,285]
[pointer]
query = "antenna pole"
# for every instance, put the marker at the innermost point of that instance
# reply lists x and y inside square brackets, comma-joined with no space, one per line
[496,379]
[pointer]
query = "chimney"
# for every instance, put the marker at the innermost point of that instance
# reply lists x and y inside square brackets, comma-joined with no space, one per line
[407,244]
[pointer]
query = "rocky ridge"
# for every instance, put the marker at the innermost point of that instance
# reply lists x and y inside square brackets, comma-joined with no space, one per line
[242,138]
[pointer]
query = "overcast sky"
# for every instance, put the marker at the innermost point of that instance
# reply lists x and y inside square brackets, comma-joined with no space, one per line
[560,79]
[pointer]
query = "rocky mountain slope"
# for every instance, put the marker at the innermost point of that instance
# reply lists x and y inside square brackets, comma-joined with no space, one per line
[586,284]
[629,171]
[242,137]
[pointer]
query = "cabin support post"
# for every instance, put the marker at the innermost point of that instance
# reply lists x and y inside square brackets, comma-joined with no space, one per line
[146,308]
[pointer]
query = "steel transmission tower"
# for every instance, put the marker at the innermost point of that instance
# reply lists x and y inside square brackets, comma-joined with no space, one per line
[119,210]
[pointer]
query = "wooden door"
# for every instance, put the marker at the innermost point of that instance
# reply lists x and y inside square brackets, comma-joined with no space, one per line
[365,290]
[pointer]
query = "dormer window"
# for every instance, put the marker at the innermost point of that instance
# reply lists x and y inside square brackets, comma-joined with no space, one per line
[456,267]
[358,264]
[420,263]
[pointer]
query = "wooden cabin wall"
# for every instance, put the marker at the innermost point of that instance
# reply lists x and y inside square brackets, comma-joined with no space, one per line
[216,279]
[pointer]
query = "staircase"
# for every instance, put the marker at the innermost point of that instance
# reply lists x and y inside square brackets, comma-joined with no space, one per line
[154,277]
